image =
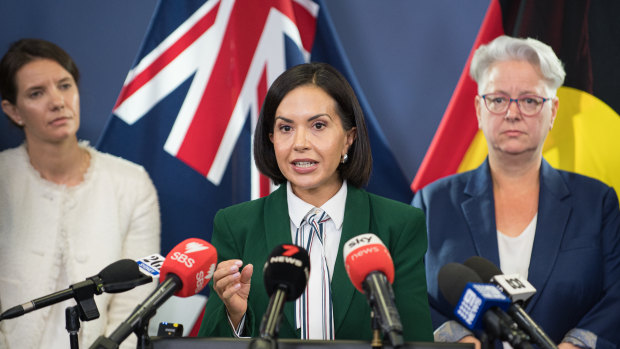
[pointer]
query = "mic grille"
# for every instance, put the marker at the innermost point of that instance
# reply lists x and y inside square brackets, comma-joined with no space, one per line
[364,254]
[483,267]
[287,266]
[452,280]
[120,276]
[193,262]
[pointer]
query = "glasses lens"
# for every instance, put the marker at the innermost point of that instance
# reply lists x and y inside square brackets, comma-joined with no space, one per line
[530,105]
[496,103]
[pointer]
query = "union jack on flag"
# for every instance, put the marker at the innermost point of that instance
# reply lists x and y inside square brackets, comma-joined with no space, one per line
[189,105]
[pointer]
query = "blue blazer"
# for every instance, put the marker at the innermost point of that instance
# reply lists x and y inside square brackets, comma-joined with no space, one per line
[575,262]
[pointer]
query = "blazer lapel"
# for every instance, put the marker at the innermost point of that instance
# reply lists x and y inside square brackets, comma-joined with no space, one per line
[553,214]
[356,222]
[479,212]
[278,231]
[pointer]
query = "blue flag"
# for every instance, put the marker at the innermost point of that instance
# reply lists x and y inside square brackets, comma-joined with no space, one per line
[189,105]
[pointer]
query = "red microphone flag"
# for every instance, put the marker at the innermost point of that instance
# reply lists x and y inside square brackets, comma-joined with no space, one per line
[193,261]
[364,254]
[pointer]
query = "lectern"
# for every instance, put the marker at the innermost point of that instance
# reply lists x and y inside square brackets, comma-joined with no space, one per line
[234,343]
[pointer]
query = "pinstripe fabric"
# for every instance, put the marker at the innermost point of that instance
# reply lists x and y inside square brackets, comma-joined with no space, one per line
[314,311]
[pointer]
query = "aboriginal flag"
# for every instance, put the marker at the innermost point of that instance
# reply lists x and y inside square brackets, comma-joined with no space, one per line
[586,133]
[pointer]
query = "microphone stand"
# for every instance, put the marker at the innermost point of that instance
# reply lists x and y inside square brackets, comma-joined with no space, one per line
[269,326]
[72,324]
[142,332]
[377,342]
[486,341]
[85,310]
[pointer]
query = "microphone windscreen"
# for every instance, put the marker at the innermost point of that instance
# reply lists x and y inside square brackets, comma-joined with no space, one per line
[483,267]
[121,276]
[364,254]
[119,271]
[452,280]
[287,266]
[193,261]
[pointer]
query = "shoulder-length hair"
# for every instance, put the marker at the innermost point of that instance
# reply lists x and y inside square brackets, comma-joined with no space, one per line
[359,165]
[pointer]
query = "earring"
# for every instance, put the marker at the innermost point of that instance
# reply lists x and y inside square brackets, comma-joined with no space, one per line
[345,157]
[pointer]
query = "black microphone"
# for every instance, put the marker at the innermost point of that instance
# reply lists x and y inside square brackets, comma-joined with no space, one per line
[519,290]
[186,271]
[120,276]
[479,306]
[285,275]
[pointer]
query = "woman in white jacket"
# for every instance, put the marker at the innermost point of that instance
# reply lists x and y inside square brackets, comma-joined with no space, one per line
[66,210]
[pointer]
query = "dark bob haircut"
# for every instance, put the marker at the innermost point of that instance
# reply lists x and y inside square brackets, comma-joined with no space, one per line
[359,165]
[25,51]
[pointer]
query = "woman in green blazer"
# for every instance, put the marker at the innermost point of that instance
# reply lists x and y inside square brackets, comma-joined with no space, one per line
[311,137]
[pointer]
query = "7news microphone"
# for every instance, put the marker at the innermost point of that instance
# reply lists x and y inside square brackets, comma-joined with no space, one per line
[186,271]
[371,270]
[285,275]
[120,276]
[519,290]
[479,306]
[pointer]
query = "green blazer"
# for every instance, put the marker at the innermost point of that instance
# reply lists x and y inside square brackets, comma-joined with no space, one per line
[249,231]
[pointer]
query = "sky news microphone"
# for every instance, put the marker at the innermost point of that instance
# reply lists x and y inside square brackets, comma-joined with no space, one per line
[519,290]
[186,271]
[371,270]
[120,276]
[479,306]
[285,275]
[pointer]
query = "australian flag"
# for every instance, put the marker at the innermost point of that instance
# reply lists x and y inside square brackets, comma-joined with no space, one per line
[189,105]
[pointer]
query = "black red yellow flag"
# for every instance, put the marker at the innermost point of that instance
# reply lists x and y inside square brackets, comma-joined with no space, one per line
[586,134]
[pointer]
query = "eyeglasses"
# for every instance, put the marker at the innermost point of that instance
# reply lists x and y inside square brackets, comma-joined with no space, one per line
[498,103]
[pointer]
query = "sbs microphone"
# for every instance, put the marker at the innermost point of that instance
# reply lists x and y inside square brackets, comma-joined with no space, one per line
[371,270]
[120,276]
[479,306]
[519,290]
[285,275]
[186,271]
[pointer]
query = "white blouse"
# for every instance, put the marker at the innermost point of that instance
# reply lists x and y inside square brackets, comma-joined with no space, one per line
[515,252]
[334,207]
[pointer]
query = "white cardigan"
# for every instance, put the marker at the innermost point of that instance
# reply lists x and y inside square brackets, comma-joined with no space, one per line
[52,236]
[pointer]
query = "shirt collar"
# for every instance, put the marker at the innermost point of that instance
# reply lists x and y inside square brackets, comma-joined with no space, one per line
[334,207]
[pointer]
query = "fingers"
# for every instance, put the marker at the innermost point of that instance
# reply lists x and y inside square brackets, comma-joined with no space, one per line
[471,339]
[226,276]
[246,274]
[228,280]
[233,286]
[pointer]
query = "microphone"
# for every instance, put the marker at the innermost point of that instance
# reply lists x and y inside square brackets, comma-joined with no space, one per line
[120,276]
[516,287]
[479,306]
[519,290]
[285,275]
[371,270]
[186,271]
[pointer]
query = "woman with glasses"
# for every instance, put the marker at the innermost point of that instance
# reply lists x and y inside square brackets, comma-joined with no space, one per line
[560,230]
